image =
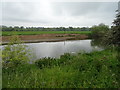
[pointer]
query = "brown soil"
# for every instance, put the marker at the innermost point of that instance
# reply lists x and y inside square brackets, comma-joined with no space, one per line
[46,37]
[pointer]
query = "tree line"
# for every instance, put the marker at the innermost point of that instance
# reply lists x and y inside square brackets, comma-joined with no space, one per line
[21,28]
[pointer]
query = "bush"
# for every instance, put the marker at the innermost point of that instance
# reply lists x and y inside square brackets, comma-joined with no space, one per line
[49,62]
[45,62]
[15,53]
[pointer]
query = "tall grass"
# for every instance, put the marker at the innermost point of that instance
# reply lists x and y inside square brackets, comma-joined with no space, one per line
[88,70]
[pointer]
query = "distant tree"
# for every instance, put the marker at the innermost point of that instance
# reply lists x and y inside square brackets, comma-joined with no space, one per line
[70,28]
[99,31]
[22,28]
[4,28]
[16,28]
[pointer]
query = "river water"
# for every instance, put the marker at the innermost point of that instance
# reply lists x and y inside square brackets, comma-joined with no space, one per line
[55,49]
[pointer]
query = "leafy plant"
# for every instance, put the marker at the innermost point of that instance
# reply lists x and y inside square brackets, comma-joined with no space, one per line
[15,53]
[49,62]
[45,62]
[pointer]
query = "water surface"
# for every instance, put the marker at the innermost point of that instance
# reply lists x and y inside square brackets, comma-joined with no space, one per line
[55,49]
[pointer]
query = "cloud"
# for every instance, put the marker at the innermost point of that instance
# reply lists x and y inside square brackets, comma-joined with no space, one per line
[46,13]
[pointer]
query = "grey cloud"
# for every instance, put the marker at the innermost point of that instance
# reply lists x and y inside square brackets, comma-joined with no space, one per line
[83,8]
[17,9]
[24,20]
[20,12]
[75,8]
[77,13]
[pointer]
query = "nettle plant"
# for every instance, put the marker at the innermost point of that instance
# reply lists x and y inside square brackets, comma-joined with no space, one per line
[15,53]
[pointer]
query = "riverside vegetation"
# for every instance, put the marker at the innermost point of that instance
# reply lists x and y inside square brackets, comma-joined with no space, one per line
[98,69]
[88,70]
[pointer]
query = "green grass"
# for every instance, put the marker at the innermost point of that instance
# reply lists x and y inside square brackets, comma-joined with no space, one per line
[88,70]
[8,33]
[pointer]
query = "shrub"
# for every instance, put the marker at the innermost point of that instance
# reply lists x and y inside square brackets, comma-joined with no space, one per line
[45,62]
[15,53]
[49,62]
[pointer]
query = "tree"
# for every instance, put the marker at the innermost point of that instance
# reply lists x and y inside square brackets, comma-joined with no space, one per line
[71,28]
[116,30]
[113,36]
[99,31]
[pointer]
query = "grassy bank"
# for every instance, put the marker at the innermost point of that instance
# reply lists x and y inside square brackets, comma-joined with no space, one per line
[8,33]
[95,70]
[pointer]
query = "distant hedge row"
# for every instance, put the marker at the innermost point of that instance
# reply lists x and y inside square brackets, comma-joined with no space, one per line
[16,28]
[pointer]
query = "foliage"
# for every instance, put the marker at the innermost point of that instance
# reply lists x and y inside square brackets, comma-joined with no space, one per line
[21,28]
[50,62]
[45,62]
[113,36]
[116,30]
[87,70]
[99,31]
[15,53]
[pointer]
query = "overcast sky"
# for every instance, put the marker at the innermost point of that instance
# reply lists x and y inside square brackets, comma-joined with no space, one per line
[50,14]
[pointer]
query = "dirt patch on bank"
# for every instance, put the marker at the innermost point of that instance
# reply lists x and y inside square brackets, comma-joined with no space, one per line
[46,37]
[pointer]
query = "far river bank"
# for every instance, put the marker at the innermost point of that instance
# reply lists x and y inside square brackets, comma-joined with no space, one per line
[46,38]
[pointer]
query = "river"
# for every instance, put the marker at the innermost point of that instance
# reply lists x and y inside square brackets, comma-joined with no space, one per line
[55,49]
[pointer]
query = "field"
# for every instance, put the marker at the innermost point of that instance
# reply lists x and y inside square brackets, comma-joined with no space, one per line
[8,33]
[88,70]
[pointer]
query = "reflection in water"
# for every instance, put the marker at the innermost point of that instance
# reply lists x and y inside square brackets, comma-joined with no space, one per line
[97,42]
[55,49]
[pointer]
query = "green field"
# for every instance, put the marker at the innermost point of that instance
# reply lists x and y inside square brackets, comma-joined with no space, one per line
[8,33]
